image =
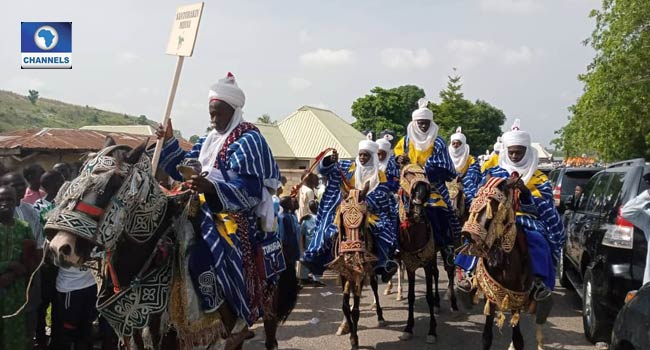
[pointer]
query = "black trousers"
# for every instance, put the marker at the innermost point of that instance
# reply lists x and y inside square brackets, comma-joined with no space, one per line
[75,313]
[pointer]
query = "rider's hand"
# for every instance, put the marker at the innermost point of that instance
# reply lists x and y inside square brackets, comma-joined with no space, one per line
[335,156]
[403,160]
[200,184]
[167,133]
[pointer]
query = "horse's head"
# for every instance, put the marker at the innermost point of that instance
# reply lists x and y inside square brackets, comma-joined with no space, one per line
[88,214]
[417,188]
[490,228]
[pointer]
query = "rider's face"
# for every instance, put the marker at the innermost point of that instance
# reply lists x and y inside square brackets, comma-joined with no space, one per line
[220,115]
[456,143]
[424,125]
[516,153]
[381,155]
[364,157]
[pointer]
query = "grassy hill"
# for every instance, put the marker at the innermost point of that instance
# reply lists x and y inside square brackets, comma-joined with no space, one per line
[17,112]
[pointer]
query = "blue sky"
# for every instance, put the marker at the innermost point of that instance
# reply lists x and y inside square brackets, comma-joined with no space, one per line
[522,56]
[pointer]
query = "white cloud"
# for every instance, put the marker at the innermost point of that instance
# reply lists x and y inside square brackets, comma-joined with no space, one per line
[304,37]
[511,6]
[322,57]
[127,57]
[470,52]
[299,83]
[405,58]
[523,54]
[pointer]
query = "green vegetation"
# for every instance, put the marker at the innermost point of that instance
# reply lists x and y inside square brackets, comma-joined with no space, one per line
[612,117]
[392,108]
[17,112]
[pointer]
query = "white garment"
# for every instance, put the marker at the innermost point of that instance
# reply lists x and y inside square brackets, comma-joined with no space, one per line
[212,146]
[384,145]
[459,156]
[305,196]
[527,166]
[637,211]
[422,140]
[370,171]
[72,278]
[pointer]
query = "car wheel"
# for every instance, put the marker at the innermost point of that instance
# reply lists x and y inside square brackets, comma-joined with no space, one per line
[564,279]
[594,318]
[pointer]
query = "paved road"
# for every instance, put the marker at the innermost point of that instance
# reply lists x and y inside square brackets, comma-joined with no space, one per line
[458,330]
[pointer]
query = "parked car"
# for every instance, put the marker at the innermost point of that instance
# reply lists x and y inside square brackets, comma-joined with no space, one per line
[565,180]
[631,325]
[604,256]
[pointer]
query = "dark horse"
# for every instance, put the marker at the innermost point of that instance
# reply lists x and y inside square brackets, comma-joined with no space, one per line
[503,272]
[352,250]
[417,246]
[115,218]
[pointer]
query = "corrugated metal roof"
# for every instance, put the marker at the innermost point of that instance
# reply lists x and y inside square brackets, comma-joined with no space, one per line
[70,139]
[276,141]
[146,130]
[309,130]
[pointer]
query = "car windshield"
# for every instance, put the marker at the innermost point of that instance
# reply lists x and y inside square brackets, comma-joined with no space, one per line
[572,179]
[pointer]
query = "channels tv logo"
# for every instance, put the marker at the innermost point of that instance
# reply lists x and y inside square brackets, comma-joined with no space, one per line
[46,44]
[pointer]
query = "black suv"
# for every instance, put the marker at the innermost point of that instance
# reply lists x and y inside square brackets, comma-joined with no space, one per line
[565,180]
[604,256]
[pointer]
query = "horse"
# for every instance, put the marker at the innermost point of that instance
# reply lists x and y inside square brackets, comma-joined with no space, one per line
[503,271]
[417,246]
[352,250]
[457,198]
[115,219]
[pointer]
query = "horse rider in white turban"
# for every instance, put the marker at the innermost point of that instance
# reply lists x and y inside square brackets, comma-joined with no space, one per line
[387,162]
[424,147]
[537,215]
[467,168]
[235,171]
[380,200]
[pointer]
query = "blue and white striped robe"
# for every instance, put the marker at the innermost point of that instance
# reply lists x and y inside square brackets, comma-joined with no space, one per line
[470,180]
[249,162]
[392,174]
[381,202]
[540,221]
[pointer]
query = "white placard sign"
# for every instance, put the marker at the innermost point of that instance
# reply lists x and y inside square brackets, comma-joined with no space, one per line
[184,30]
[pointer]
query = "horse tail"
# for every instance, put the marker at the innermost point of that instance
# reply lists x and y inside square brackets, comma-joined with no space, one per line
[287,292]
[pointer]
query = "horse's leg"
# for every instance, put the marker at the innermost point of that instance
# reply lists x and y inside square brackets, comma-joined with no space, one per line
[400,276]
[539,336]
[375,291]
[436,277]
[517,338]
[428,273]
[410,322]
[487,332]
[374,286]
[270,330]
[138,339]
[344,327]
[451,290]
[346,305]
[354,336]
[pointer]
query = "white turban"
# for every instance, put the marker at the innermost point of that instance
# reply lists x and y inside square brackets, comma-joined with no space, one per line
[423,112]
[422,140]
[460,155]
[527,166]
[370,171]
[498,146]
[226,90]
[384,145]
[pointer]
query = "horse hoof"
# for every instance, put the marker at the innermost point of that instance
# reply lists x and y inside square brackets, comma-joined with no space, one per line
[343,330]
[406,336]
[431,339]
[381,323]
[511,347]
[399,296]
[387,291]
[373,307]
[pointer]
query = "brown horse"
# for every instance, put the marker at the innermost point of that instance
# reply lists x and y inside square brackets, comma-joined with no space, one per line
[353,258]
[115,217]
[457,198]
[503,273]
[417,246]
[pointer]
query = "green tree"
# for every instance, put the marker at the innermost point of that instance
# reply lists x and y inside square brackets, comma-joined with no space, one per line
[194,138]
[481,122]
[266,119]
[386,108]
[33,96]
[612,117]
[142,120]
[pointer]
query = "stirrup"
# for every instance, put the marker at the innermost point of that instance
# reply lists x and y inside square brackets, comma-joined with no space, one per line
[541,292]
